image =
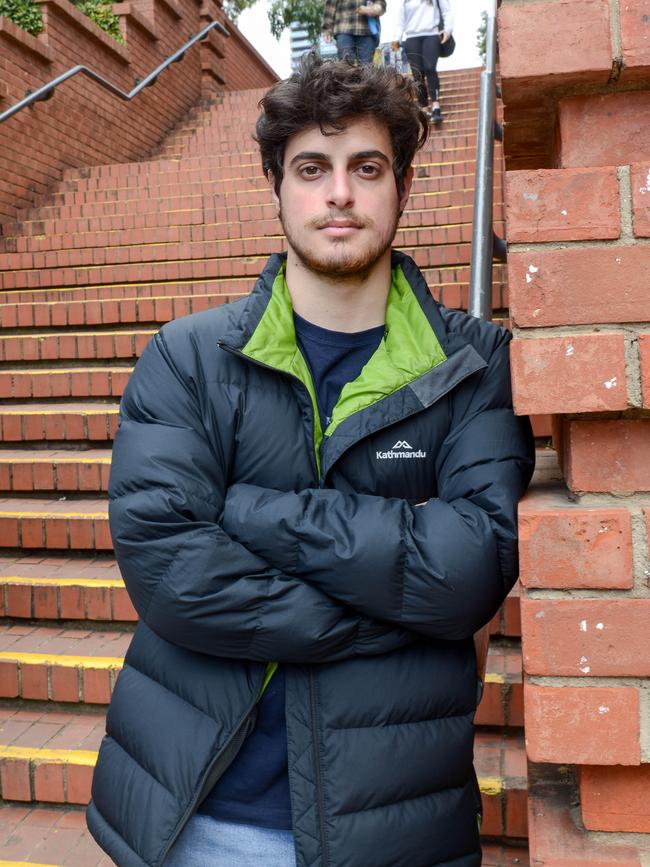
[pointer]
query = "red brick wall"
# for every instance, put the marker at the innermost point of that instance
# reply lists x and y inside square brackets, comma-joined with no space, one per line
[576,85]
[85,125]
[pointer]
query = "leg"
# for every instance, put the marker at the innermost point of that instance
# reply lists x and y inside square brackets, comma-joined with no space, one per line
[430,57]
[346,47]
[413,49]
[209,842]
[366,48]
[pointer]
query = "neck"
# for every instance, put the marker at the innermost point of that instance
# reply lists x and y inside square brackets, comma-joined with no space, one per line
[350,303]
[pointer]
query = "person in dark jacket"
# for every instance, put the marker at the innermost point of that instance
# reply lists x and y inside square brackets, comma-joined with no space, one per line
[313,504]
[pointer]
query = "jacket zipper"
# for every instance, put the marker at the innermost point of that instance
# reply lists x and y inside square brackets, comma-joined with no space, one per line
[313,700]
[217,767]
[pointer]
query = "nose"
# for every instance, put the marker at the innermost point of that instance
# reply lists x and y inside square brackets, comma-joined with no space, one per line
[339,192]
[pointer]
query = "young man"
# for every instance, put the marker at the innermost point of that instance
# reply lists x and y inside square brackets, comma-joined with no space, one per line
[313,503]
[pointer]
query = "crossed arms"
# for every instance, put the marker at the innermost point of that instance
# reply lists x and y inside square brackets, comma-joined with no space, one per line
[250,573]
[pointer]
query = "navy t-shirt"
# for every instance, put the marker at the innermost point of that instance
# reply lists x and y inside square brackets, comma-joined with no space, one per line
[255,788]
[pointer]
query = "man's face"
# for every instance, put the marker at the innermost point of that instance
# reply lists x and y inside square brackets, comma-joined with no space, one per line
[338,199]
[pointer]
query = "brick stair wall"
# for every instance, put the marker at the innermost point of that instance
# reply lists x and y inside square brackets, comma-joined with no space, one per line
[577,105]
[87,277]
[82,124]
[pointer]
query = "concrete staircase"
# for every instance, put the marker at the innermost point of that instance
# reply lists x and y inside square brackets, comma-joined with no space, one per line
[85,280]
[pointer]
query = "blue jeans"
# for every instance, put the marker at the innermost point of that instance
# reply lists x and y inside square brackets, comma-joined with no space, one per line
[208,842]
[356,47]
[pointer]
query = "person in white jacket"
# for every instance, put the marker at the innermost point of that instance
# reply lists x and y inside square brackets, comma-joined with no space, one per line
[422,27]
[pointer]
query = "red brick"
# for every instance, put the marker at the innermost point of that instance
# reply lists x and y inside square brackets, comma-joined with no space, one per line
[14,779]
[562,205]
[72,603]
[548,287]
[644,351]
[582,725]
[45,602]
[590,637]
[640,178]
[604,130]
[48,782]
[79,784]
[602,456]
[96,686]
[65,683]
[122,606]
[8,679]
[568,41]
[615,799]
[34,681]
[19,600]
[577,373]
[635,37]
[568,547]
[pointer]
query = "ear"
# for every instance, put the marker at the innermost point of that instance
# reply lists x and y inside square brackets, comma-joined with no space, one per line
[408,180]
[271,182]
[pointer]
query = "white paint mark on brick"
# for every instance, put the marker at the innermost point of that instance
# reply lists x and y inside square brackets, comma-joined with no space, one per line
[618,260]
[646,189]
[600,626]
[603,709]
[583,626]
[564,213]
[540,614]
[611,383]
[570,350]
[585,669]
[531,197]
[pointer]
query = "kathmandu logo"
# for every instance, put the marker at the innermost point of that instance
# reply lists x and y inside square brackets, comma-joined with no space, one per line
[401,449]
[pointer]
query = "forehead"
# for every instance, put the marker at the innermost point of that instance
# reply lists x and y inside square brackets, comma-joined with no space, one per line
[359,134]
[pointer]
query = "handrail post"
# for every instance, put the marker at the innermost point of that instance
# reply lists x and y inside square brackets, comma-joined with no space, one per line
[480,282]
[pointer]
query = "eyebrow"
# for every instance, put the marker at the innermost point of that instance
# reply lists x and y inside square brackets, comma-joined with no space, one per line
[318,156]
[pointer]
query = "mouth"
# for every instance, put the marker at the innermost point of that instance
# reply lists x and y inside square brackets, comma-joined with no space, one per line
[340,228]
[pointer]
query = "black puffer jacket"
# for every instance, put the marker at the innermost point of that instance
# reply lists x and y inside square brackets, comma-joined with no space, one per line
[362,560]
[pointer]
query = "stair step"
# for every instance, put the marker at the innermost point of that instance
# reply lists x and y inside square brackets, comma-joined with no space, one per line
[248,263]
[60,665]
[72,382]
[49,756]
[71,345]
[46,470]
[503,697]
[55,524]
[36,422]
[112,232]
[94,257]
[495,855]
[48,837]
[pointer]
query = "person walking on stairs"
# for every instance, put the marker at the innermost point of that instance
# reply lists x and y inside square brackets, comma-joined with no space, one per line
[354,25]
[313,504]
[422,27]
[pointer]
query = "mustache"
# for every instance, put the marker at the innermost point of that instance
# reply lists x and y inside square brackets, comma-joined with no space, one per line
[348,216]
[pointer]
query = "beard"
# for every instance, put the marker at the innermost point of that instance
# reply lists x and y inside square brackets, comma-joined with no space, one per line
[340,258]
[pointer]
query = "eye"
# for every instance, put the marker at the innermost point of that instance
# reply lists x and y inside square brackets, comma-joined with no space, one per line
[368,170]
[310,171]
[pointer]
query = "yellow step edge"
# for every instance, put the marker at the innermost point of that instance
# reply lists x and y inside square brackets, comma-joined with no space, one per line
[42,754]
[39,371]
[25,864]
[492,677]
[101,583]
[91,516]
[55,460]
[490,785]
[106,663]
[77,334]
[60,411]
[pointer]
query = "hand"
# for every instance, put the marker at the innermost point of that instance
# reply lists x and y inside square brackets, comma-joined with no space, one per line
[444,37]
[395,45]
[364,10]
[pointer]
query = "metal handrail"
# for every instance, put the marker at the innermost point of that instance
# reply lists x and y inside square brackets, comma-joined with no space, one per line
[47,90]
[485,244]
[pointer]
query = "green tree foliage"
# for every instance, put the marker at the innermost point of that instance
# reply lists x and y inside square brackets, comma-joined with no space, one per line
[481,36]
[24,14]
[233,8]
[102,14]
[306,13]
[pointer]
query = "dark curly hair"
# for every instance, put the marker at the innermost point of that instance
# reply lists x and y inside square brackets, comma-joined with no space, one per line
[329,94]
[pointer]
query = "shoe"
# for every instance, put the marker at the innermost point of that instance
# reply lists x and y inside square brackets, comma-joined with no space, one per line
[436,116]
